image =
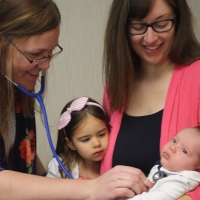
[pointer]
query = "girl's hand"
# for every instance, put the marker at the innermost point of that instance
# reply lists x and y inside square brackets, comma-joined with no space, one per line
[120,181]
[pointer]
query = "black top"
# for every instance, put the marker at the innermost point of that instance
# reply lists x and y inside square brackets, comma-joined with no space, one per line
[138,141]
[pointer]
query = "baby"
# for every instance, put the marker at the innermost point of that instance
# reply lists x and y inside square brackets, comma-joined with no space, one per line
[178,170]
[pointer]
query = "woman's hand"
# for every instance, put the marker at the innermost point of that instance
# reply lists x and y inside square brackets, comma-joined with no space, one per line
[120,181]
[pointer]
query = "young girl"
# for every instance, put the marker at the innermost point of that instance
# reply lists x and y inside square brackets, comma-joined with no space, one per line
[83,130]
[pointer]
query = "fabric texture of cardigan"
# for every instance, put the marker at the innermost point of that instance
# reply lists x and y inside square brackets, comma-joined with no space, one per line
[181,110]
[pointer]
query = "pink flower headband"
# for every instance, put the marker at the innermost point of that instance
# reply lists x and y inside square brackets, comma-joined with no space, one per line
[76,105]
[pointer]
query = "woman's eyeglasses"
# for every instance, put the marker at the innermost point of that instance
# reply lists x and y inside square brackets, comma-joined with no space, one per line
[55,52]
[159,27]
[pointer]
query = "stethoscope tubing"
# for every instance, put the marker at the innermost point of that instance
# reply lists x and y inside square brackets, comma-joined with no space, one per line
[38,96]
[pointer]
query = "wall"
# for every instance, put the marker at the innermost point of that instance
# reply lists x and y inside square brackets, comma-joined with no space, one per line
[195,5]
[78,70]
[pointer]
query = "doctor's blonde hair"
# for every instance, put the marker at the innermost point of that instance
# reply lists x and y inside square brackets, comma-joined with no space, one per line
[20,19]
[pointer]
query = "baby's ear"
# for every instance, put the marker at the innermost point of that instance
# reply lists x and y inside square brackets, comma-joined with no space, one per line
[70,144]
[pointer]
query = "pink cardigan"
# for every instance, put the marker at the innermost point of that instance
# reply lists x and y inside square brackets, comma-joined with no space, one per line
[181,110]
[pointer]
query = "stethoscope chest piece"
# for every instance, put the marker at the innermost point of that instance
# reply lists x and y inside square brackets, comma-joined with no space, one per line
[158,175]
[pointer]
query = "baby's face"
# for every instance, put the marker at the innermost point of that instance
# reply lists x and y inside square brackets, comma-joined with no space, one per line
[182,152]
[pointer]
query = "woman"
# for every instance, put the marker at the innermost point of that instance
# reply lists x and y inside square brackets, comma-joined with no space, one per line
[29,32]
[152,68]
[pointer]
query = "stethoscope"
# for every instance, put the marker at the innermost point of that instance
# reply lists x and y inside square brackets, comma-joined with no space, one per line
[158,175]
[38,96]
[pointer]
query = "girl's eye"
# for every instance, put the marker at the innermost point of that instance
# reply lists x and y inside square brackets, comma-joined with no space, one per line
[85,140]
[102,134]
[184,151]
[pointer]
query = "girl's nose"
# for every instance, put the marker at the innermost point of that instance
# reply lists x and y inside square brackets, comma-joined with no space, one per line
[96,142]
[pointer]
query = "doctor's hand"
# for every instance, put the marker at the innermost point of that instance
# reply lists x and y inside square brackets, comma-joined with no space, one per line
[120,181]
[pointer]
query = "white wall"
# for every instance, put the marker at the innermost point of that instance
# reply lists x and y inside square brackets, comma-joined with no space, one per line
[78,70]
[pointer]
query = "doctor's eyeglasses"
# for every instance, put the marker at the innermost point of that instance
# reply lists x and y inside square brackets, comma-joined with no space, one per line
[159,27]
[55,52]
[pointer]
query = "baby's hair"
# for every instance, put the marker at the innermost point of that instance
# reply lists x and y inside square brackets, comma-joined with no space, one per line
[197,128]
[70,157]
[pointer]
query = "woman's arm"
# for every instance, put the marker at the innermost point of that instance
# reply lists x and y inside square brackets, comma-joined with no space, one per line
[117,182]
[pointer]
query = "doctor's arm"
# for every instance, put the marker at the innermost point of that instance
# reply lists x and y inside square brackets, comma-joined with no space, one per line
[111,185]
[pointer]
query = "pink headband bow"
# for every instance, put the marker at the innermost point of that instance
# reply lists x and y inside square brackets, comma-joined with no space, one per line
[76,105]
